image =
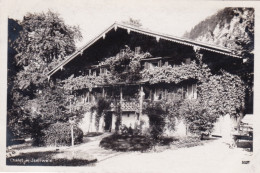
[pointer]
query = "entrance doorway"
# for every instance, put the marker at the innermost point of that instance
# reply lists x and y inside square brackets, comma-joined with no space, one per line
[108,121]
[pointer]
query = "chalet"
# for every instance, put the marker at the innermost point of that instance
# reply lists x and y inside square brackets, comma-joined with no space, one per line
[93,61]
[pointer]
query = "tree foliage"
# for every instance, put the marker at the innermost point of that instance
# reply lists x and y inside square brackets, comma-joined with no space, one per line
[45,37]
[43,42]
[197,116]
[59,134]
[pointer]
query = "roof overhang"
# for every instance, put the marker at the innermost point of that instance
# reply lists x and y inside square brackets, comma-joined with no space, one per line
[158,36]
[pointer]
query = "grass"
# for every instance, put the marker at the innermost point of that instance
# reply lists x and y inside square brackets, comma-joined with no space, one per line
[45,159]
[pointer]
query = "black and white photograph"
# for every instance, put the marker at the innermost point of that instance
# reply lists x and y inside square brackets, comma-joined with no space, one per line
[129,86]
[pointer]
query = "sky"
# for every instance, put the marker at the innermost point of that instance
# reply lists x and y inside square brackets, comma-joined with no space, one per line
[94,16]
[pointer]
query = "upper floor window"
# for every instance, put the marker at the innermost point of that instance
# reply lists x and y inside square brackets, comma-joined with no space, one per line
[122,52]
[94,73]
[192,91]
[137,50]
[187,60]
[103,71]
[159,63]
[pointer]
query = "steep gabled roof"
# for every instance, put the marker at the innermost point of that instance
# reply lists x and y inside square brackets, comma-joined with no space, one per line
[148,32]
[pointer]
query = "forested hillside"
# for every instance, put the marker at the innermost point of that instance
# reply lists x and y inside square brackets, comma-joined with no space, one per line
[231,27]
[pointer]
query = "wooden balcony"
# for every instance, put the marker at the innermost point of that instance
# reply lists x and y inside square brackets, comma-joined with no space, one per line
[128,106]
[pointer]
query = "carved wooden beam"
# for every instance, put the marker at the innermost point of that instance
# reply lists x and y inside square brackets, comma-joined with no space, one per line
[157,38]
[104,36]
[128,30]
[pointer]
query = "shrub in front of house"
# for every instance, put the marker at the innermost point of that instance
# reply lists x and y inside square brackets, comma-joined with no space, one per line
[59,134]
[125,142]
[157,114]
[197,117]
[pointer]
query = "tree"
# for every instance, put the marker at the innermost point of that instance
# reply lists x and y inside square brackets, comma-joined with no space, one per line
[44,41]
[50,107]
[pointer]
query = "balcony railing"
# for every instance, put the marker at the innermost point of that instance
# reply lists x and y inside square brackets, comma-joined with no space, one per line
[128,106]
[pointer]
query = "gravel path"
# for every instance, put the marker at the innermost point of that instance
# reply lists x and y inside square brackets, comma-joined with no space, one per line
[214,156]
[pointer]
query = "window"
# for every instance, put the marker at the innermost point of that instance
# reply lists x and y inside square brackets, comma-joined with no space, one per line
[145,65]
[184,92]
[122,52]
[194,86]
[137,50]
[94,73]
[187,61]
[189,92]
[103,71]
[159,63]
[192,91]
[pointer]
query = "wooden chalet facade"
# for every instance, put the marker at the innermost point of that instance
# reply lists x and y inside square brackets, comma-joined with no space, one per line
[165,50]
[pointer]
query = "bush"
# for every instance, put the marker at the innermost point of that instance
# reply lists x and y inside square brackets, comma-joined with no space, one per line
[102,106]
[198,118]
[126,143]
[157,118]
[60,133]
[36,131]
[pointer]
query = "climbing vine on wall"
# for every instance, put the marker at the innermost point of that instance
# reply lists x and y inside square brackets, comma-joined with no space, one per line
[219,94]
[88,81]
[168,74]
[223,94]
